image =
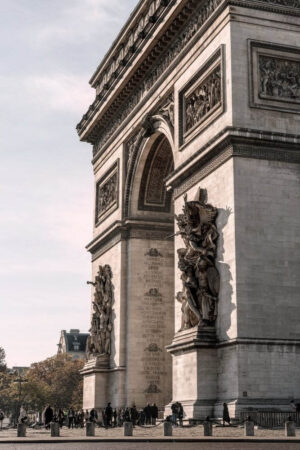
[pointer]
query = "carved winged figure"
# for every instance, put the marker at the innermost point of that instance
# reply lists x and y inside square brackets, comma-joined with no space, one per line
[200,277]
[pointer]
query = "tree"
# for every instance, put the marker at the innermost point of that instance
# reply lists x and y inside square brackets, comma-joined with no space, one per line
[56,381]
[3,366]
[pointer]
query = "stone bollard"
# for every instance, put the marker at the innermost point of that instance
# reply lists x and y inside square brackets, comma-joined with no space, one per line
[90,429]
[54,428]
[290,428]
[207,427]
[21,429]
[168,429]
[128,428]
[249,427]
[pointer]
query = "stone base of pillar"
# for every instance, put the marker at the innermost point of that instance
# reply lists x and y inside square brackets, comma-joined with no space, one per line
[194,372]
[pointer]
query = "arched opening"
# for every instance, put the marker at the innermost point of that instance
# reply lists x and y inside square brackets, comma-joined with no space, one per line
[153,195]
[150,306]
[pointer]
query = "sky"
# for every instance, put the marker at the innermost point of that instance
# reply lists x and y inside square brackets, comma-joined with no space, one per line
[48,51]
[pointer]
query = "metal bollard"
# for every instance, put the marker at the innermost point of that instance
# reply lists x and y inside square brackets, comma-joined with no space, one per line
[168,429]
[128,428]
[54,427]
[21,429]
[90,429]
[249,428]
[290,428]
[207,425]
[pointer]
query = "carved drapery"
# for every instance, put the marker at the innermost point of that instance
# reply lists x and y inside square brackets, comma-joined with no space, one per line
[196,261]
[99,341]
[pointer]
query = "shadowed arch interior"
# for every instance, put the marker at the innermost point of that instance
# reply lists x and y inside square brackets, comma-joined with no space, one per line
[153,195]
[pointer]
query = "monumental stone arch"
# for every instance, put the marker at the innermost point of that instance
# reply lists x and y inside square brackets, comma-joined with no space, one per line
[195,252]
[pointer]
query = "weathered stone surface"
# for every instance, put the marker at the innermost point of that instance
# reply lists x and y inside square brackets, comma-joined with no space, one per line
[217,108]
[21,429]
[54,429]
[90,429]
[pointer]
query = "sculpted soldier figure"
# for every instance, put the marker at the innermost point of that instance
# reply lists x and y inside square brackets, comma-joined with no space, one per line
[98,342]
[200,277]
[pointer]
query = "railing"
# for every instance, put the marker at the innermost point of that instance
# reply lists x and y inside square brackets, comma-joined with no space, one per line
[270,419]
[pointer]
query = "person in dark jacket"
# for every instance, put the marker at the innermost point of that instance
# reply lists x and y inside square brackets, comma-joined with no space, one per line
[154,413]
[226,417]
[180,413]
[93,415]
[147,411]
[71,418]
[174,409]
[48,416]
[134,415]
[108,415]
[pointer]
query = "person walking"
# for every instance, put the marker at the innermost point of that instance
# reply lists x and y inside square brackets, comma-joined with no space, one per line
[226,416]
[147,411]
[48,416]
[180,413]
[134,415]
[93,415]
[108,415]
[174,409]
[1,419]
[71,418]
[154,414]
[61,417]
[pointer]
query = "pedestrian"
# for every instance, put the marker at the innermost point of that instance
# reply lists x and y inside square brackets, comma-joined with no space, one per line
[154,413]
[71,418]
[115,417]
[108,415]
[93,415]
[61,417]
[180,413]
[119,417]
[226,417]
[147,411]
[134,415]
[126,415]
[86,416]
[48,416]
[142,418]
[174,409]
[80,417]
[1,419]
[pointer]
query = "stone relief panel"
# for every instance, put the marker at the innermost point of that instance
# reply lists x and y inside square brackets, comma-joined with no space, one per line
[274,76]
[107,193]
[99,341]
[196,261]
[201,100]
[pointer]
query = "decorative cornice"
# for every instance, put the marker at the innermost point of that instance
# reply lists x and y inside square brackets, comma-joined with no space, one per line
[162,59]
[138,229]
[234,142]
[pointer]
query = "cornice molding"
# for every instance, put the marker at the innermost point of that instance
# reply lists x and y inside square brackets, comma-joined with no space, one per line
[187,23]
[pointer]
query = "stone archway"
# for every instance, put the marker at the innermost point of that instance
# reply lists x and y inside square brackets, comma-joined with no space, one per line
[150,301]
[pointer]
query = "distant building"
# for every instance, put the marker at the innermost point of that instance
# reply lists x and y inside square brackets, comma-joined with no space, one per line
[73,343]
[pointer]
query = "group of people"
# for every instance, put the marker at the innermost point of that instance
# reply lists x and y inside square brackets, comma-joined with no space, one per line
[177,414]
[115,417]
[108,417]
[71,418]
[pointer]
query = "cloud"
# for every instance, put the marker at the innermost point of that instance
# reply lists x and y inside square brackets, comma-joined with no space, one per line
[61,91]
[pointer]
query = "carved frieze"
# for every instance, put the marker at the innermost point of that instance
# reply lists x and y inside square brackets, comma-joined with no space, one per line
[275,76]
[202,98]
[161,59]
[197,262]
[99,341]
[107,193]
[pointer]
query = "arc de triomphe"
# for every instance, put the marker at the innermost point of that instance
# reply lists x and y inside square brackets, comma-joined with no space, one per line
[195,254]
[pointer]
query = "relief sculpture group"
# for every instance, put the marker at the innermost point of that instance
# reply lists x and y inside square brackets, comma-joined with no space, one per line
[200,277]
[98,342]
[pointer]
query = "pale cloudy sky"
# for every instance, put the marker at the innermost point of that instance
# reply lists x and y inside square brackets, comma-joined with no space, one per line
[48,51]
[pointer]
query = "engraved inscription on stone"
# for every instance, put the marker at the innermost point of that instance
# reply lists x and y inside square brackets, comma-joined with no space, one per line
[154,320]
[279,78]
